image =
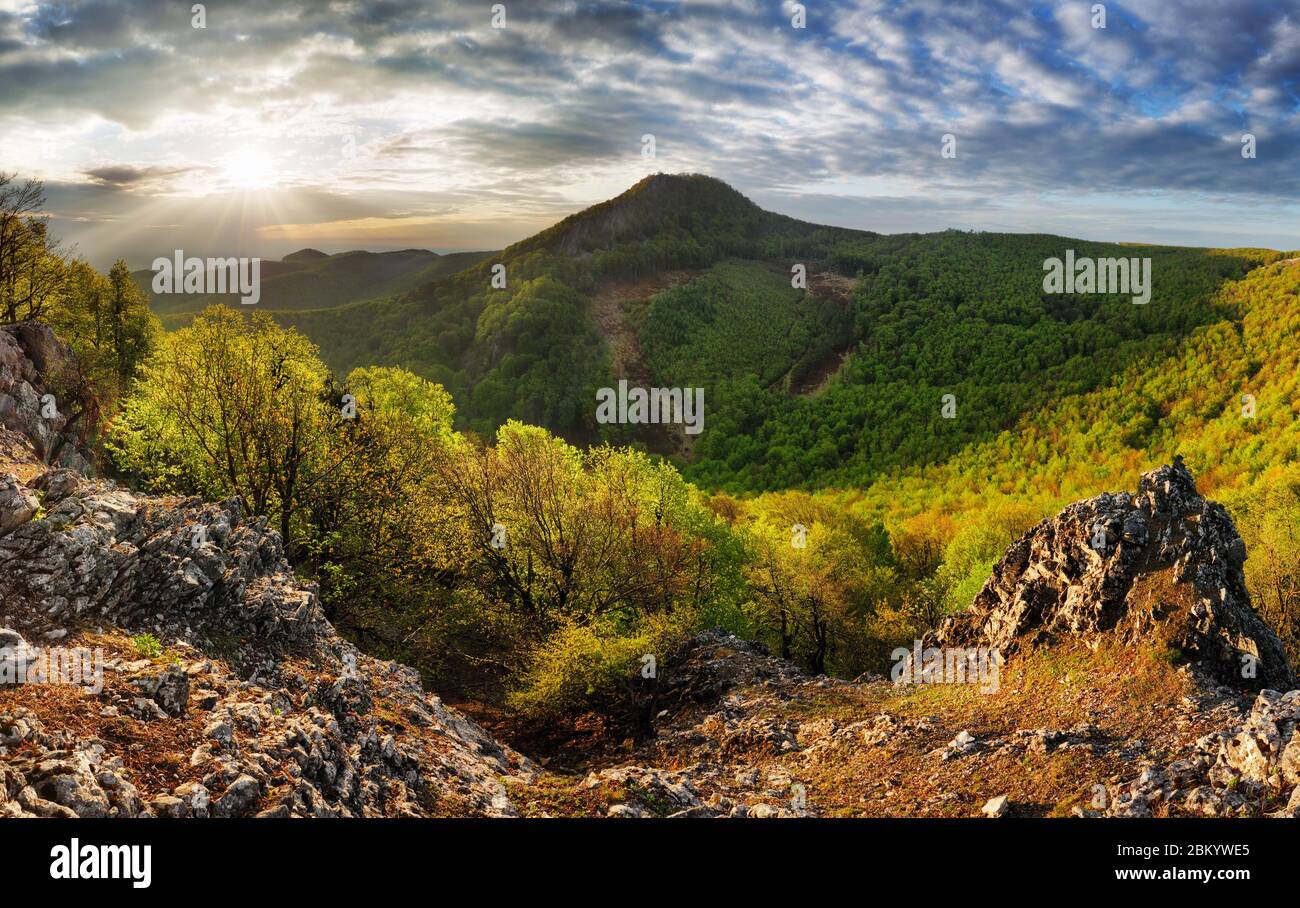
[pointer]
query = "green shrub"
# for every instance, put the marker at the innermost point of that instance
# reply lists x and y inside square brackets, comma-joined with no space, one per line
[148,646]
[597,666]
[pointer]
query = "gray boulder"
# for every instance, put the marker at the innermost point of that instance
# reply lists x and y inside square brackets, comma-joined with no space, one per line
[169,688]
[1162,566]
[18,504]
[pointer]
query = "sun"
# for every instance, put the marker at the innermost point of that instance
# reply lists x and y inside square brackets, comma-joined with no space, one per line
[248,168]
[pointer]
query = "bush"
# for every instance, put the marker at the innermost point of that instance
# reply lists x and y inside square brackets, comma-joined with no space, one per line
[599,666]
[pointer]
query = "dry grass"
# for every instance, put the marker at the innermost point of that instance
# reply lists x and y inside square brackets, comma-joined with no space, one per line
[560,796]
[155,754]
[1132,695]
[1128,693]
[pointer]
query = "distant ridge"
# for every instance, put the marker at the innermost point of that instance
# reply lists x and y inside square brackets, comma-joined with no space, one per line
[311,279]
[305,255]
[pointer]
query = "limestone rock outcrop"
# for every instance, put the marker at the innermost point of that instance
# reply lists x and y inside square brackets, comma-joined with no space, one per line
[32,362]
[1162,566]
[292,721]
[158,657]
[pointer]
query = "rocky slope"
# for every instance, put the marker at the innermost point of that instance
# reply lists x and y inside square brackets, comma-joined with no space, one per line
[1124,693]
[1112,739]
[195,676]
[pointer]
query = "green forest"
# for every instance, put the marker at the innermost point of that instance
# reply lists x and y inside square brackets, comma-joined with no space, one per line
[431,458]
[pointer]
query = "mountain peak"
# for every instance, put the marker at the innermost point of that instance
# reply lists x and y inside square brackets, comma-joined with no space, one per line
[662,202]
[305,255]
[668,182]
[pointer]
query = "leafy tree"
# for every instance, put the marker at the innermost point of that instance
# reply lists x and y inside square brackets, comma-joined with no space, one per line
[107,323]
[125,328]
[232,406]
[1270,518]
[377,523]
[819,579]
[31,269]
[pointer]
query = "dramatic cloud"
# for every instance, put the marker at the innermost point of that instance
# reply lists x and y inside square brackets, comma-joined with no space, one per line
[405,124]
[126,176]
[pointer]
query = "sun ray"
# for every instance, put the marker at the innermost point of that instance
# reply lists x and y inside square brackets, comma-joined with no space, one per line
[249,168]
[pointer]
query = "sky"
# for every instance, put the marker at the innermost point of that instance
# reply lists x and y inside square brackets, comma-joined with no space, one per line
[388,125]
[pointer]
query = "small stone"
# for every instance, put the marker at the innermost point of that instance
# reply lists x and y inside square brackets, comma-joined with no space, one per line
[626,811]
[239,798]
[996,807]
[169,807]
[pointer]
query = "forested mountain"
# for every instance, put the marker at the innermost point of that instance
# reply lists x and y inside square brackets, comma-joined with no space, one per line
[883,417]
[310,279]
[533,349]
[828,381]
[948,314]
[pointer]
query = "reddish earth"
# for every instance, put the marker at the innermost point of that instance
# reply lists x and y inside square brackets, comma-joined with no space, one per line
[609,307]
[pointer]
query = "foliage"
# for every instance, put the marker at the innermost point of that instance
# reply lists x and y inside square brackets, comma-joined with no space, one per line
[598,665]
[508,553]
[104,319]
[147,646]
[951,313]
[822,581]
[232,407]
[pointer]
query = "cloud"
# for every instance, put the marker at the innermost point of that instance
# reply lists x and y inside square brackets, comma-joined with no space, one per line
[127,176]
[363,100]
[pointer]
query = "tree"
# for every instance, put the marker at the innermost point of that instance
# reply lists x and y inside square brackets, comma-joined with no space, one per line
[32,274]
[801,585]
[559,534]
[233,406]
[131,328]
[107,323]
[378,523]
[1268,521]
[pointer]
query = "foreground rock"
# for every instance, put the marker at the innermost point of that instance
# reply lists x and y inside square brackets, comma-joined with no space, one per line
[1251,768]
[32,360]
[158,657]
[291,721]
[1162,566]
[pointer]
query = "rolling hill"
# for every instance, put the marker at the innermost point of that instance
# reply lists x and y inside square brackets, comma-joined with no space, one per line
[683,282]
[310,279]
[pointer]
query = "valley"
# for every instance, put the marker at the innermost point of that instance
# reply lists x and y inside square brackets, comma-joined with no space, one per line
[502,429]
[828,516]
